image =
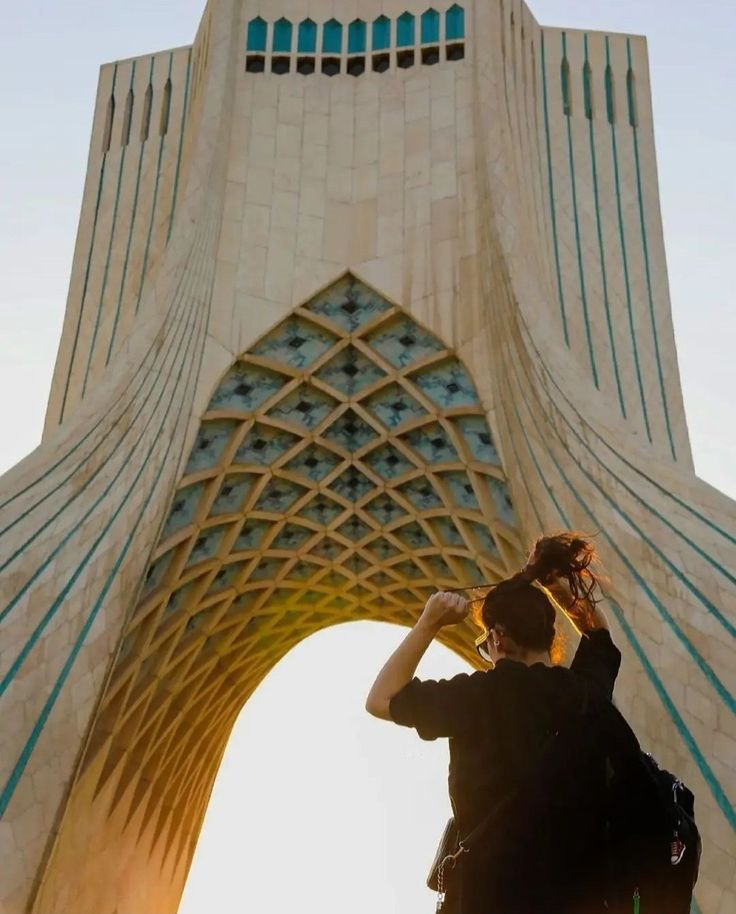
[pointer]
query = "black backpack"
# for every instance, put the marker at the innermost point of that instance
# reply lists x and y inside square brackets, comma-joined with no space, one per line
[652,844]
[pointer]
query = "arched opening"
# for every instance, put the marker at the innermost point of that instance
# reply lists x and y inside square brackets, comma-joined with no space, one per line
[330,770]
[343,470]
[109,121]
[165,109]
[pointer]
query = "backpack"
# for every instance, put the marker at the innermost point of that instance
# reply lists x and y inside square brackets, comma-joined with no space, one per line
[652,844]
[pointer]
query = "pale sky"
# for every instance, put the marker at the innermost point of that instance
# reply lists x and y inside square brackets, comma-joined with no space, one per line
[308,776]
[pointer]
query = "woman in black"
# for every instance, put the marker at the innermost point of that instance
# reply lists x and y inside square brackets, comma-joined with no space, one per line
[516,735]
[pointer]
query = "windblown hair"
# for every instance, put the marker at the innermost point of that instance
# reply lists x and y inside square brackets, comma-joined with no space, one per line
[526,611]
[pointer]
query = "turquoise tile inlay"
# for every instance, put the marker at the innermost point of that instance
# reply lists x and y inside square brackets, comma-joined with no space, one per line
[447,385]
[267,569]
[292,537]
[256,35]
[282,31]
[357,564]
[401,342]
[349,372]
[350,432]
[382,549]
[384,509]
[405,30]
[263,444]
[306,406]
[207,544]
[354,529]
[296,342]
[233,492]
[184,508]
[461,490]
[421,494]
[432,443]
[356,37]
[327,549]
[484,539]
[332,37]
[381,33]
[408,570]
[307,37]
[156,572]
[302,571]
[352,485]
[278,496]
[322,510]
[471,574]
[227,576]
[430,27]
[478,438]
[413,536]
[446,532]
[455,23]
[439,569]
[212,439]
[393,406]
[501,499]
[245,387]
[387,462]
[251,535]
[314,462]
[348,304]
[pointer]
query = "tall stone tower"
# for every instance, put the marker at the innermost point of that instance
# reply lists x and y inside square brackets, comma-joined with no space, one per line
[365,296]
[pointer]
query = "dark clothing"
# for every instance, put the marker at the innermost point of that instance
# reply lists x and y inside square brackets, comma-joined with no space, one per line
[540,858]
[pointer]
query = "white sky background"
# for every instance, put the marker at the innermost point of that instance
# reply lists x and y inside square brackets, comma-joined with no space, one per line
[308,776]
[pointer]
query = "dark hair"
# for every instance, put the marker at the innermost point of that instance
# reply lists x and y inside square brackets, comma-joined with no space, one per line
[524,610]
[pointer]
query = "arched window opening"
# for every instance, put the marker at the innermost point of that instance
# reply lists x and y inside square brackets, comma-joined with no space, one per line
[610,96]
[109,120]
[631,95]
[565,77]
[455,23]
[127,118]
[307,39]
[332,37]
[430,27]
[588,90]
[356,37]
[146,117]
[282,32]
[405,31]
[257,29]
[381,33]
[165,109]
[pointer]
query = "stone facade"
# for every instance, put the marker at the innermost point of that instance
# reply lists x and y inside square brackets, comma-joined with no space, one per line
[364,298]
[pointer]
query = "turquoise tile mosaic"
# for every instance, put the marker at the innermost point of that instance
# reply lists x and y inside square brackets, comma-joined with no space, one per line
[350,372]
[251,535]
[350,432]
[245,387]
[461,490]
[354,529]
[292,537]
[263,445]
[382,475]
[304,407]
[212,439]
[402,343]
[314,462]
[474,430]
[207,544]
[296,343]
[349,304]
[421,494]
[447,385]
[233,492]
[279,495]
[183,509]
[502,500]
[387,462]
[432,443]
[393,406]
[352,485]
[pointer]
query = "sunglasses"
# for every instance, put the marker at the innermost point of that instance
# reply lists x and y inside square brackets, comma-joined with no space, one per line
[477,594]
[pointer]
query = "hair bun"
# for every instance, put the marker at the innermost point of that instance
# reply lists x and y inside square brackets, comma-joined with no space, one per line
[565,556]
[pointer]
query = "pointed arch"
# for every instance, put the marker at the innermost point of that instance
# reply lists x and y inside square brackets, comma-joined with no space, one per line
[146,114]
[109,121]
[163,126]
[127,118]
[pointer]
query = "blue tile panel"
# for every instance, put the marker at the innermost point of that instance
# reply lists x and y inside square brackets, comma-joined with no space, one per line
[402,343]
[447,385]
[349,372]
[295,343]
[212,439]
[306,407]
[348,304]
[394,406]
[245,388]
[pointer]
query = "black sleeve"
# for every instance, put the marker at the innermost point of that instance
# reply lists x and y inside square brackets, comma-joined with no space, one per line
[598,660]
[435,708]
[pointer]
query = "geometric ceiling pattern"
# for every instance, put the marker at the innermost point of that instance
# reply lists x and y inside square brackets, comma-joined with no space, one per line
[344,469]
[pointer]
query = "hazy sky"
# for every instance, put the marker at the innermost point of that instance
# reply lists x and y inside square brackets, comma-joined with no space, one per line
[308,776]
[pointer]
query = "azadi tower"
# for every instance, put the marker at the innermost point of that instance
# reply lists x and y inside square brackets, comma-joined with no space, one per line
[359,306]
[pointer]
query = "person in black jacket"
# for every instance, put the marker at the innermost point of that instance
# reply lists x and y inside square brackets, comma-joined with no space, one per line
[515,734]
